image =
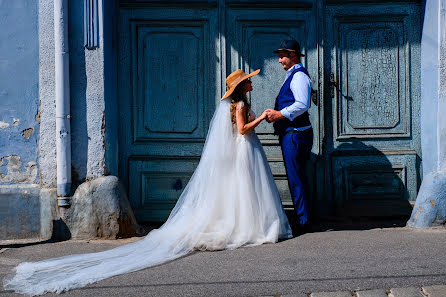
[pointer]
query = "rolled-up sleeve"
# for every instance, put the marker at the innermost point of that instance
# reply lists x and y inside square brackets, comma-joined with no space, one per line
[301,88]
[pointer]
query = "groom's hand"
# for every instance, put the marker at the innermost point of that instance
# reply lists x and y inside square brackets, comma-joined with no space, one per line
[266,112]
[273,115]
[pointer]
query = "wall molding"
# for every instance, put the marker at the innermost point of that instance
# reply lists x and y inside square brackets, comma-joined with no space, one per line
[91,24]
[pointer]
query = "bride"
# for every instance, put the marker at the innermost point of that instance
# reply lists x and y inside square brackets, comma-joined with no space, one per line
[230,201]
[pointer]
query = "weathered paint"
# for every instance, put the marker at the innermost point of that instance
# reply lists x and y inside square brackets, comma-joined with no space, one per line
[14,171]
[27,132]
[19,85]
[430,207]
[19,105]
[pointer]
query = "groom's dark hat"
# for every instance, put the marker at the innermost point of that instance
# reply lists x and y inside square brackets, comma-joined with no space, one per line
[290,45]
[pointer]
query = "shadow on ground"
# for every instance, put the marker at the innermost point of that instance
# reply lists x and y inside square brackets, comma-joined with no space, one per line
[332,223]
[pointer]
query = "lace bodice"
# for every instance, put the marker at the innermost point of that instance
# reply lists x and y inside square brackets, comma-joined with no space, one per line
[252,115]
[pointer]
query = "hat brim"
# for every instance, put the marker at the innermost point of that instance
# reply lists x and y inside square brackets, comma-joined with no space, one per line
[229,92]
[287,50]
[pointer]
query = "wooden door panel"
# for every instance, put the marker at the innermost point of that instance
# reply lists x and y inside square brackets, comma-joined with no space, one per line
[169,77]
[373,140]
[157,183]
[371,65]
[380,176]
[170,97]
[253,36]
[170,86]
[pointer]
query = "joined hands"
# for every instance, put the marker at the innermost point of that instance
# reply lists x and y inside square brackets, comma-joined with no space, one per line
[271,115]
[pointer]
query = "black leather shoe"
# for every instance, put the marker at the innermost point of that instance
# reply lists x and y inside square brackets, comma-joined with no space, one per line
[301,229]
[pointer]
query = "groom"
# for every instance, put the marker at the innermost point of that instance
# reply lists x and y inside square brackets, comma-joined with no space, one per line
[292,124]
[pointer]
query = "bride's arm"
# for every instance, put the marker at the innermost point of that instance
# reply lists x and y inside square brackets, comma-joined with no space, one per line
[242,126]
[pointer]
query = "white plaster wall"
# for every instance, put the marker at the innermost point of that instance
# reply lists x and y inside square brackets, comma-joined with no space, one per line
[94,68]
[96,103]
[95,112]
[47,144]
[87,99]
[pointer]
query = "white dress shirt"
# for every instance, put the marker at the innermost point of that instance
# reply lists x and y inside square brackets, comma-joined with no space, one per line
[301,88]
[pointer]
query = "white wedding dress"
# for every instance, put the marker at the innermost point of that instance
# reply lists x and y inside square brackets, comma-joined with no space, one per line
[230,201]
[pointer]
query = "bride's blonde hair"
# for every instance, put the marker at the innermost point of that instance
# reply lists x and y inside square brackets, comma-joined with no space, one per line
[237,96]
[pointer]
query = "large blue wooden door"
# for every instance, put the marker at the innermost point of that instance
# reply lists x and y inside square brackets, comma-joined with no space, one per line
[173,57]
[372,107]
[169,78]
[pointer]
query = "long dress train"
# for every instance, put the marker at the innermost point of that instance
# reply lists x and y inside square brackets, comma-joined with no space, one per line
[230,201]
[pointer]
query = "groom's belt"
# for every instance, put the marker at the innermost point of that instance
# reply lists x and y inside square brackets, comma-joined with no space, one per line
[292,130]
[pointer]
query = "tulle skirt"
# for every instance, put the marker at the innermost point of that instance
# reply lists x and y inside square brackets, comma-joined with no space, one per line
[248,210]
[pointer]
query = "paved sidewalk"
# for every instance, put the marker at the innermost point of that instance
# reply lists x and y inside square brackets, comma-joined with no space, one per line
[389,262]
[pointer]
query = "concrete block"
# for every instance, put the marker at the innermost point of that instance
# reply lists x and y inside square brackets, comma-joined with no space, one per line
[19,212]
[48,212]
[405,292]
[332,294]
[372,293]
[435,291]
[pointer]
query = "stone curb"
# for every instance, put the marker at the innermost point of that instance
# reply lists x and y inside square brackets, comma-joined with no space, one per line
[428,291]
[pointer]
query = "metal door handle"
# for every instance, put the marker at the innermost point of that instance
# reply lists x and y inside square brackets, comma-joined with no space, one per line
[333,84]
[313,96]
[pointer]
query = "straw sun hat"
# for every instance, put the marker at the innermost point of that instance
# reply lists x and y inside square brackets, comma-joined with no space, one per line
[234,79]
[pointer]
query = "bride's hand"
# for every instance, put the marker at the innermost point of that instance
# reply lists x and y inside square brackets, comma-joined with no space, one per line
[264,115]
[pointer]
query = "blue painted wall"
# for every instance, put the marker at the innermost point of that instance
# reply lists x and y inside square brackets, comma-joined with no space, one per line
[429,87]
[19,91]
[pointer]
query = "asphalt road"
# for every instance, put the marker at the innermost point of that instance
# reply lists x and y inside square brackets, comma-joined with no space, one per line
[315,262]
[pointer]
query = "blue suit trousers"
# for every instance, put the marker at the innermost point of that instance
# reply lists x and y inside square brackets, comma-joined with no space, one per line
[296,149]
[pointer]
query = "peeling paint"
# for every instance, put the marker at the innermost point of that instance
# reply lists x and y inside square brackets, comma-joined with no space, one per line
[63,133]
[3,125]
[16,122]
[15,172]
[418,211]
[27,133]
[433,202]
